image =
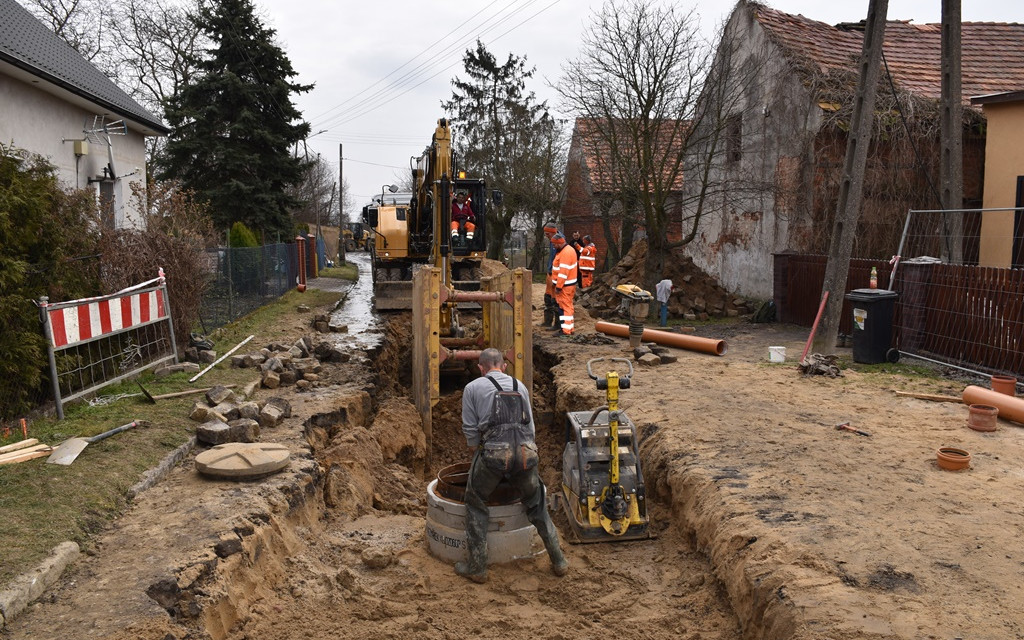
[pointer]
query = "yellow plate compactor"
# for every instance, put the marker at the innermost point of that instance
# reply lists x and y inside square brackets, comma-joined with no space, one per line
[602,486]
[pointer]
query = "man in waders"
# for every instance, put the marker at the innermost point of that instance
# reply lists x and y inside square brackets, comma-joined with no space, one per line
[498,425]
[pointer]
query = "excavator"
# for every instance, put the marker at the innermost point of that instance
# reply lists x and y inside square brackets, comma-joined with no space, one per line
[413,231]
[420,265]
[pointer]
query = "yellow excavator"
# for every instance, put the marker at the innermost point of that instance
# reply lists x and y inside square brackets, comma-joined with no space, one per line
[603,491]
[420,264]
[411,231]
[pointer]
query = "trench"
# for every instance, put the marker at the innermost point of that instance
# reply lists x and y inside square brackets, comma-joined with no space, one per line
[347,557]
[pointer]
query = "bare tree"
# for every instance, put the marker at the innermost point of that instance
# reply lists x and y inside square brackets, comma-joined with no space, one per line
[80,23]
[637,81]
[157,44]
[318,194]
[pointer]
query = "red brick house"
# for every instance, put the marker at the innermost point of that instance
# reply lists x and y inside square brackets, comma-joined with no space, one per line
[781,176]
[594,202]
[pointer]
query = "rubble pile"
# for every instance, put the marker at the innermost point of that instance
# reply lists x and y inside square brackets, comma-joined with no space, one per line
[697,295]
[229,417]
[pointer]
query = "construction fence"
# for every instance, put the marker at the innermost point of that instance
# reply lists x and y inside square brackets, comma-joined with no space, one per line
[949,308]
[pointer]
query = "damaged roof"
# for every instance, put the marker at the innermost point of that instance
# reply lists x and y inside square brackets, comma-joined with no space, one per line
[26,44]
[992,60]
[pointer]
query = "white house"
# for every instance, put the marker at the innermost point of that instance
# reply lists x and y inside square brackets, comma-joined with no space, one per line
[55,103]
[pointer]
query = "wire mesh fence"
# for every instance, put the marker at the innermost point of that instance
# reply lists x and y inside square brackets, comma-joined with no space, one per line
[242,279]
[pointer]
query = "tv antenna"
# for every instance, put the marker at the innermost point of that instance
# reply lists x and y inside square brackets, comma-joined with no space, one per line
[100,133]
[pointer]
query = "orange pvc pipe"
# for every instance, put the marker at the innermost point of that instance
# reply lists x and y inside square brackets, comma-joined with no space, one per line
[693,343]
[1010,408]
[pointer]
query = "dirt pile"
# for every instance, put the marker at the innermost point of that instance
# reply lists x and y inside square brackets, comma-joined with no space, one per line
[698,296]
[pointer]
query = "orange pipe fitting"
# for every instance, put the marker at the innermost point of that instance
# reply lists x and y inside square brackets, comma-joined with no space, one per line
[1010,408]
[693,343]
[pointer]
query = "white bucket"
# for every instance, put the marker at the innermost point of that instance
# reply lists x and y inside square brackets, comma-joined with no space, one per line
[776,354]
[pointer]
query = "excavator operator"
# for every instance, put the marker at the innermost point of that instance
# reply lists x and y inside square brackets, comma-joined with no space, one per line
[462,217]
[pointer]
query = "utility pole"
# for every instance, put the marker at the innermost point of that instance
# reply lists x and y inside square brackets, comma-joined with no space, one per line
[951,170]
[851,189]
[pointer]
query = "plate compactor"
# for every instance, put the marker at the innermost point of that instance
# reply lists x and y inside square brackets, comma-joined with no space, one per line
[602,486]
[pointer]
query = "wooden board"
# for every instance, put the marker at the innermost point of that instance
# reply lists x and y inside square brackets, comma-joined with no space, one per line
[929,396]
[18,445]
[27,454]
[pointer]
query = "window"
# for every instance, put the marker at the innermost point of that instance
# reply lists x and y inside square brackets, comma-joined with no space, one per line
[734,138]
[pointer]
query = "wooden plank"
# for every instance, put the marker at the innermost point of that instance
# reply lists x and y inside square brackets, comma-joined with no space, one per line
[929,396]
[37,451]
[18,445]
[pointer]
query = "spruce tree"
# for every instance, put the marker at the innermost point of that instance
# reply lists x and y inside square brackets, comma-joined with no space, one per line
[235,124]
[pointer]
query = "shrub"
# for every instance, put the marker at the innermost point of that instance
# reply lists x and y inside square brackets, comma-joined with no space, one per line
[49,239]
[175,237]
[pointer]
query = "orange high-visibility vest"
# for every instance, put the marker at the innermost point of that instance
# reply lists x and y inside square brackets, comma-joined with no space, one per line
[564,270]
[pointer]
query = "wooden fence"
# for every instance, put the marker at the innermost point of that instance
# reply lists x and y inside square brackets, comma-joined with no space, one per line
[968,316]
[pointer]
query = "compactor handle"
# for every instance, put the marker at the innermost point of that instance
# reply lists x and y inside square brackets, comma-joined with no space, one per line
[623,382]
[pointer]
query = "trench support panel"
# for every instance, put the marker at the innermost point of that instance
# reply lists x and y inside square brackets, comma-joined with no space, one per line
[505,327]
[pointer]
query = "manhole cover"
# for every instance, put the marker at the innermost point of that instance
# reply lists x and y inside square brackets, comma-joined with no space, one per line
[243,459]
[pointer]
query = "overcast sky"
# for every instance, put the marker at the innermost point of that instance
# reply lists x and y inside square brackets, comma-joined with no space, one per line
[382,69]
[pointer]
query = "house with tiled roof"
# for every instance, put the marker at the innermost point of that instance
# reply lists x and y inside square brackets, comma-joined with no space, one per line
[595,202]
[56,104]
[790,136]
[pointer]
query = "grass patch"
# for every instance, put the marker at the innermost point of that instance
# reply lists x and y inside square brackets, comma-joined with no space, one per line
[347,271]
[42,505]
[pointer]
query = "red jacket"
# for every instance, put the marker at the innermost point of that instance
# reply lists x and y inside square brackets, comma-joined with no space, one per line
[465,212]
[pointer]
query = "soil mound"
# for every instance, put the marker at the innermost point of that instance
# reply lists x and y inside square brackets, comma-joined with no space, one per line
[698,296]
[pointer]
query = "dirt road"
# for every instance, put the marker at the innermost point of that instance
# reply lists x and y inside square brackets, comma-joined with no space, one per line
[771,523]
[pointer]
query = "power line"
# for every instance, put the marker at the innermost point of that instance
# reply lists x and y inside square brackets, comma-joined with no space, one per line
[401,86]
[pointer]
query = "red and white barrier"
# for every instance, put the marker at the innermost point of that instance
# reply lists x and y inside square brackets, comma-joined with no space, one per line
[88,320]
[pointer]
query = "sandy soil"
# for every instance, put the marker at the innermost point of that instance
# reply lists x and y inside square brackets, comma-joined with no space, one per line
[771,524]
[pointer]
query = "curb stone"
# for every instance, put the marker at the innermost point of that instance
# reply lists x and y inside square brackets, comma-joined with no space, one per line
[30,585]
[160,471]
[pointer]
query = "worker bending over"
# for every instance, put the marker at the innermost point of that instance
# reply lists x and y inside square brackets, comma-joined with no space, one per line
[564,274]
[498,425]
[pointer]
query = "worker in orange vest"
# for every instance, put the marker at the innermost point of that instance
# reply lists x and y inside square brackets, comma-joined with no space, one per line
[564,274]
[588,262]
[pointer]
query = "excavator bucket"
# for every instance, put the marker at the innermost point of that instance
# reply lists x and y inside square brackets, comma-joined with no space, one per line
[394,295]
[586,463]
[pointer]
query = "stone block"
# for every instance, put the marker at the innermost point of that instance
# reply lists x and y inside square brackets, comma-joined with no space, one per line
[668,358]
[338,327]
[312,377]
[288,377]
[303,385]
[238,362]
[208,357]
[271,379]
[640,352]
[220,394]
[270,416]
[249,410]
[214,432]
[245,430]
[200,412]
[321,327]
[249,388]
[649,360]
[282,404]
[227,409]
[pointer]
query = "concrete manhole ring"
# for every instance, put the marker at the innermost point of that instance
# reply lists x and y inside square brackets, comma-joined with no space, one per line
[243,460]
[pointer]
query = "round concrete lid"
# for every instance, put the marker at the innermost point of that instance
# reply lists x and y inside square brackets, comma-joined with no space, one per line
[243,459]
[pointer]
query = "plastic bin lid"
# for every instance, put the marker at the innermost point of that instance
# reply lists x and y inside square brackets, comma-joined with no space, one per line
[871,294]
